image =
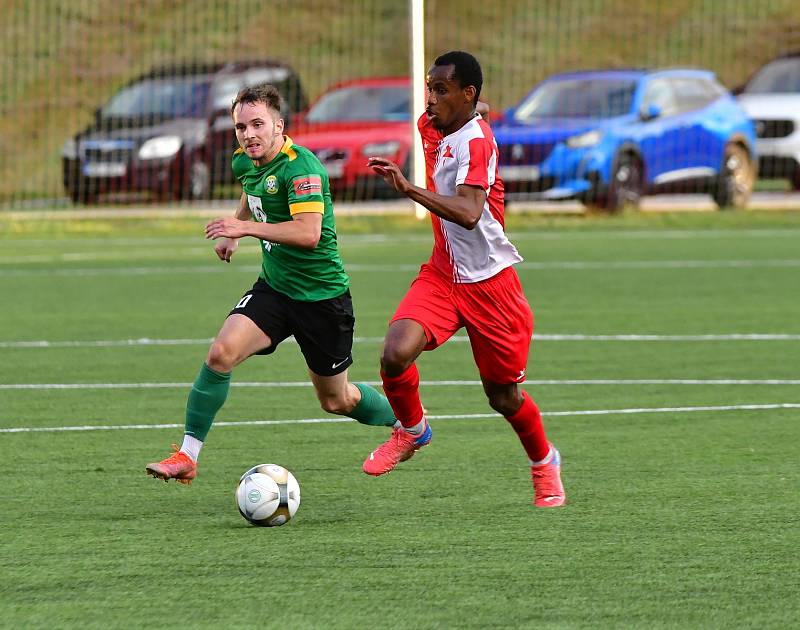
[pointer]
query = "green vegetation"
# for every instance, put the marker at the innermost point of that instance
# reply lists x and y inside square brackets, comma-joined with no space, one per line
[62,60]
[675,518]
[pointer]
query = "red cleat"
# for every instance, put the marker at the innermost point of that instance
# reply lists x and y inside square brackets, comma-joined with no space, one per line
[547,488]
[398,448]
[178,466]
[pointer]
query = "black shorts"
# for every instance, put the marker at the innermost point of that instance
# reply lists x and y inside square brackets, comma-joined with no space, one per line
[323,329]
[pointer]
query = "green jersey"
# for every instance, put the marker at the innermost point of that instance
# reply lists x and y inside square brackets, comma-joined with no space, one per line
[294,181]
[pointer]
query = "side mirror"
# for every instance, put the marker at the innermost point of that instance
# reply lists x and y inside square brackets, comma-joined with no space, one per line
[650,112]
[220,119]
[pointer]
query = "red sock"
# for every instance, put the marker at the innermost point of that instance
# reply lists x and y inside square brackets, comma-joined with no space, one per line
[403,394]
[527,422]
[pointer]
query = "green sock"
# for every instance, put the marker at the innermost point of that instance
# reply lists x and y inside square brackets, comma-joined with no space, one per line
[208,394]
[373,408]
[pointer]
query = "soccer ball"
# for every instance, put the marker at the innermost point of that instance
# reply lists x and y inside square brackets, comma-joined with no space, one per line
[268,495]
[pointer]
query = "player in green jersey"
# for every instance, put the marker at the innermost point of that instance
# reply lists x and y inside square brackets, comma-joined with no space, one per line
[302,290]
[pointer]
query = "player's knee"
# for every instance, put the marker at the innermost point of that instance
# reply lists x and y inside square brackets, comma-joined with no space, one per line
[221,357]
[394,361]
[506,402]
[335,404]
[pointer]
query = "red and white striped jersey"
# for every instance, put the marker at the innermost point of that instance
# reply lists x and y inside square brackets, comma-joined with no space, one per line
[467,156]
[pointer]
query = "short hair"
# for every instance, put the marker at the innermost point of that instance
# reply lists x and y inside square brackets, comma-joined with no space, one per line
[466,69]
[261,93]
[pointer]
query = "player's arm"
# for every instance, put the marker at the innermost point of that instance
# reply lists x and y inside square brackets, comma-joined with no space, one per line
[228,246]
[304,230]
[243,209]
[305,182]
[464,208]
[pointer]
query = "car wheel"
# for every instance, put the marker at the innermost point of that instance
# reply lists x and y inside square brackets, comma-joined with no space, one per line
[198,182]
[82,195]
[735,181]
[625,188]
[796,179]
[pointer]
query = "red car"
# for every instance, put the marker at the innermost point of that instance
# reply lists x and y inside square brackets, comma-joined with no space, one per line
[352,121]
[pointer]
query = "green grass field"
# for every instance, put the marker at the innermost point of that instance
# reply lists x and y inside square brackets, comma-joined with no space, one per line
[680,448]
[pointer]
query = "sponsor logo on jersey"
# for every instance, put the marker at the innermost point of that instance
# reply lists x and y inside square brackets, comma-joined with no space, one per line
[448,152]
[271,184]
[308,185]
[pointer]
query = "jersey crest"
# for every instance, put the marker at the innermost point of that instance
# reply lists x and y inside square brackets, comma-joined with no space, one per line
[271,184]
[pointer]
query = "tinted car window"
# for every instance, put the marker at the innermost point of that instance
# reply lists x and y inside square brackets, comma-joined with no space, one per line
[660,94]
[692,93]
[160,99]
[779,76]
[362,103]
[226,88]
[578,98]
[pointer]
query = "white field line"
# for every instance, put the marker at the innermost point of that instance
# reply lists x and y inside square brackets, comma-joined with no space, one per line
[565,265]
[453,383]
[425,237]
[146,341]
[474,416]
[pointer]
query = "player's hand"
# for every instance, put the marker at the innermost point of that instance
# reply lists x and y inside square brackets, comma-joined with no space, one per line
[229,227]
[390,172]
[225,248]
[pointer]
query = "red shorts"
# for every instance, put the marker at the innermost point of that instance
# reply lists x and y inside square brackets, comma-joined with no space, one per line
[495,313]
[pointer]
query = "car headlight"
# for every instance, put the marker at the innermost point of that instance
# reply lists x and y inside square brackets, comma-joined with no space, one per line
[160,147]
[70,149]
[588,139]
[380,149]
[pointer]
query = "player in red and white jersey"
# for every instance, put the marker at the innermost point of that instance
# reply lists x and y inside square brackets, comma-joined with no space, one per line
[468,282]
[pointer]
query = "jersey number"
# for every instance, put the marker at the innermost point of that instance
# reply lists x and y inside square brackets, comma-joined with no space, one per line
[257,211]
[243,302]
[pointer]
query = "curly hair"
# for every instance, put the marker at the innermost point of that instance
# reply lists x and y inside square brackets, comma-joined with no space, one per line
[466,69]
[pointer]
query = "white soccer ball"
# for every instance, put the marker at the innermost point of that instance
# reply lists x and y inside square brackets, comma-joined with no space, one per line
[268,495]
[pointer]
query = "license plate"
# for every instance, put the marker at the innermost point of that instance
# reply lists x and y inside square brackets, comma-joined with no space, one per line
[520,173]
[104,169]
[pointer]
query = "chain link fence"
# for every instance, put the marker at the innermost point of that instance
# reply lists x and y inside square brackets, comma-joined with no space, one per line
[111,101]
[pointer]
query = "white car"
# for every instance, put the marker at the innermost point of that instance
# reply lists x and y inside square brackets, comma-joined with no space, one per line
[771,99]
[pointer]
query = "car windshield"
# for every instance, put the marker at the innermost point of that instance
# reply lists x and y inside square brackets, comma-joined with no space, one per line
[362,103]
[160,99]
[578,98]
[226,88]
[781,76]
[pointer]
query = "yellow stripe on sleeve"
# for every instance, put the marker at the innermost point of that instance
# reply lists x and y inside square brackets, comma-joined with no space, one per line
[307,206]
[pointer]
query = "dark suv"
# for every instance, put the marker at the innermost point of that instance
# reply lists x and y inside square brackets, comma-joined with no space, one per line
[169,132]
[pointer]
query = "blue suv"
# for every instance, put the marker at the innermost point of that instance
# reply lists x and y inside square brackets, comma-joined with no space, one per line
[607,137]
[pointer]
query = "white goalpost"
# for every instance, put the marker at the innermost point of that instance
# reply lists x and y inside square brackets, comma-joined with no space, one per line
[417,12]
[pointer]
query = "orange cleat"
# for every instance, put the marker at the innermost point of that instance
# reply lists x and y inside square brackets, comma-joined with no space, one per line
[547,488]
[398,448]
[178,466]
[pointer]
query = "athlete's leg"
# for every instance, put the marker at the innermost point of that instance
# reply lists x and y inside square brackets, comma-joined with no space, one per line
[355,400]
[525,418]
[405,340]
[500,324]
[424,319]
[238,338]
[522,414]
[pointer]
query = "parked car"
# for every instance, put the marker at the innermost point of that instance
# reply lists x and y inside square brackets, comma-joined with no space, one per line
[352,121]
[607,137]
[169,132]
[771,97]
